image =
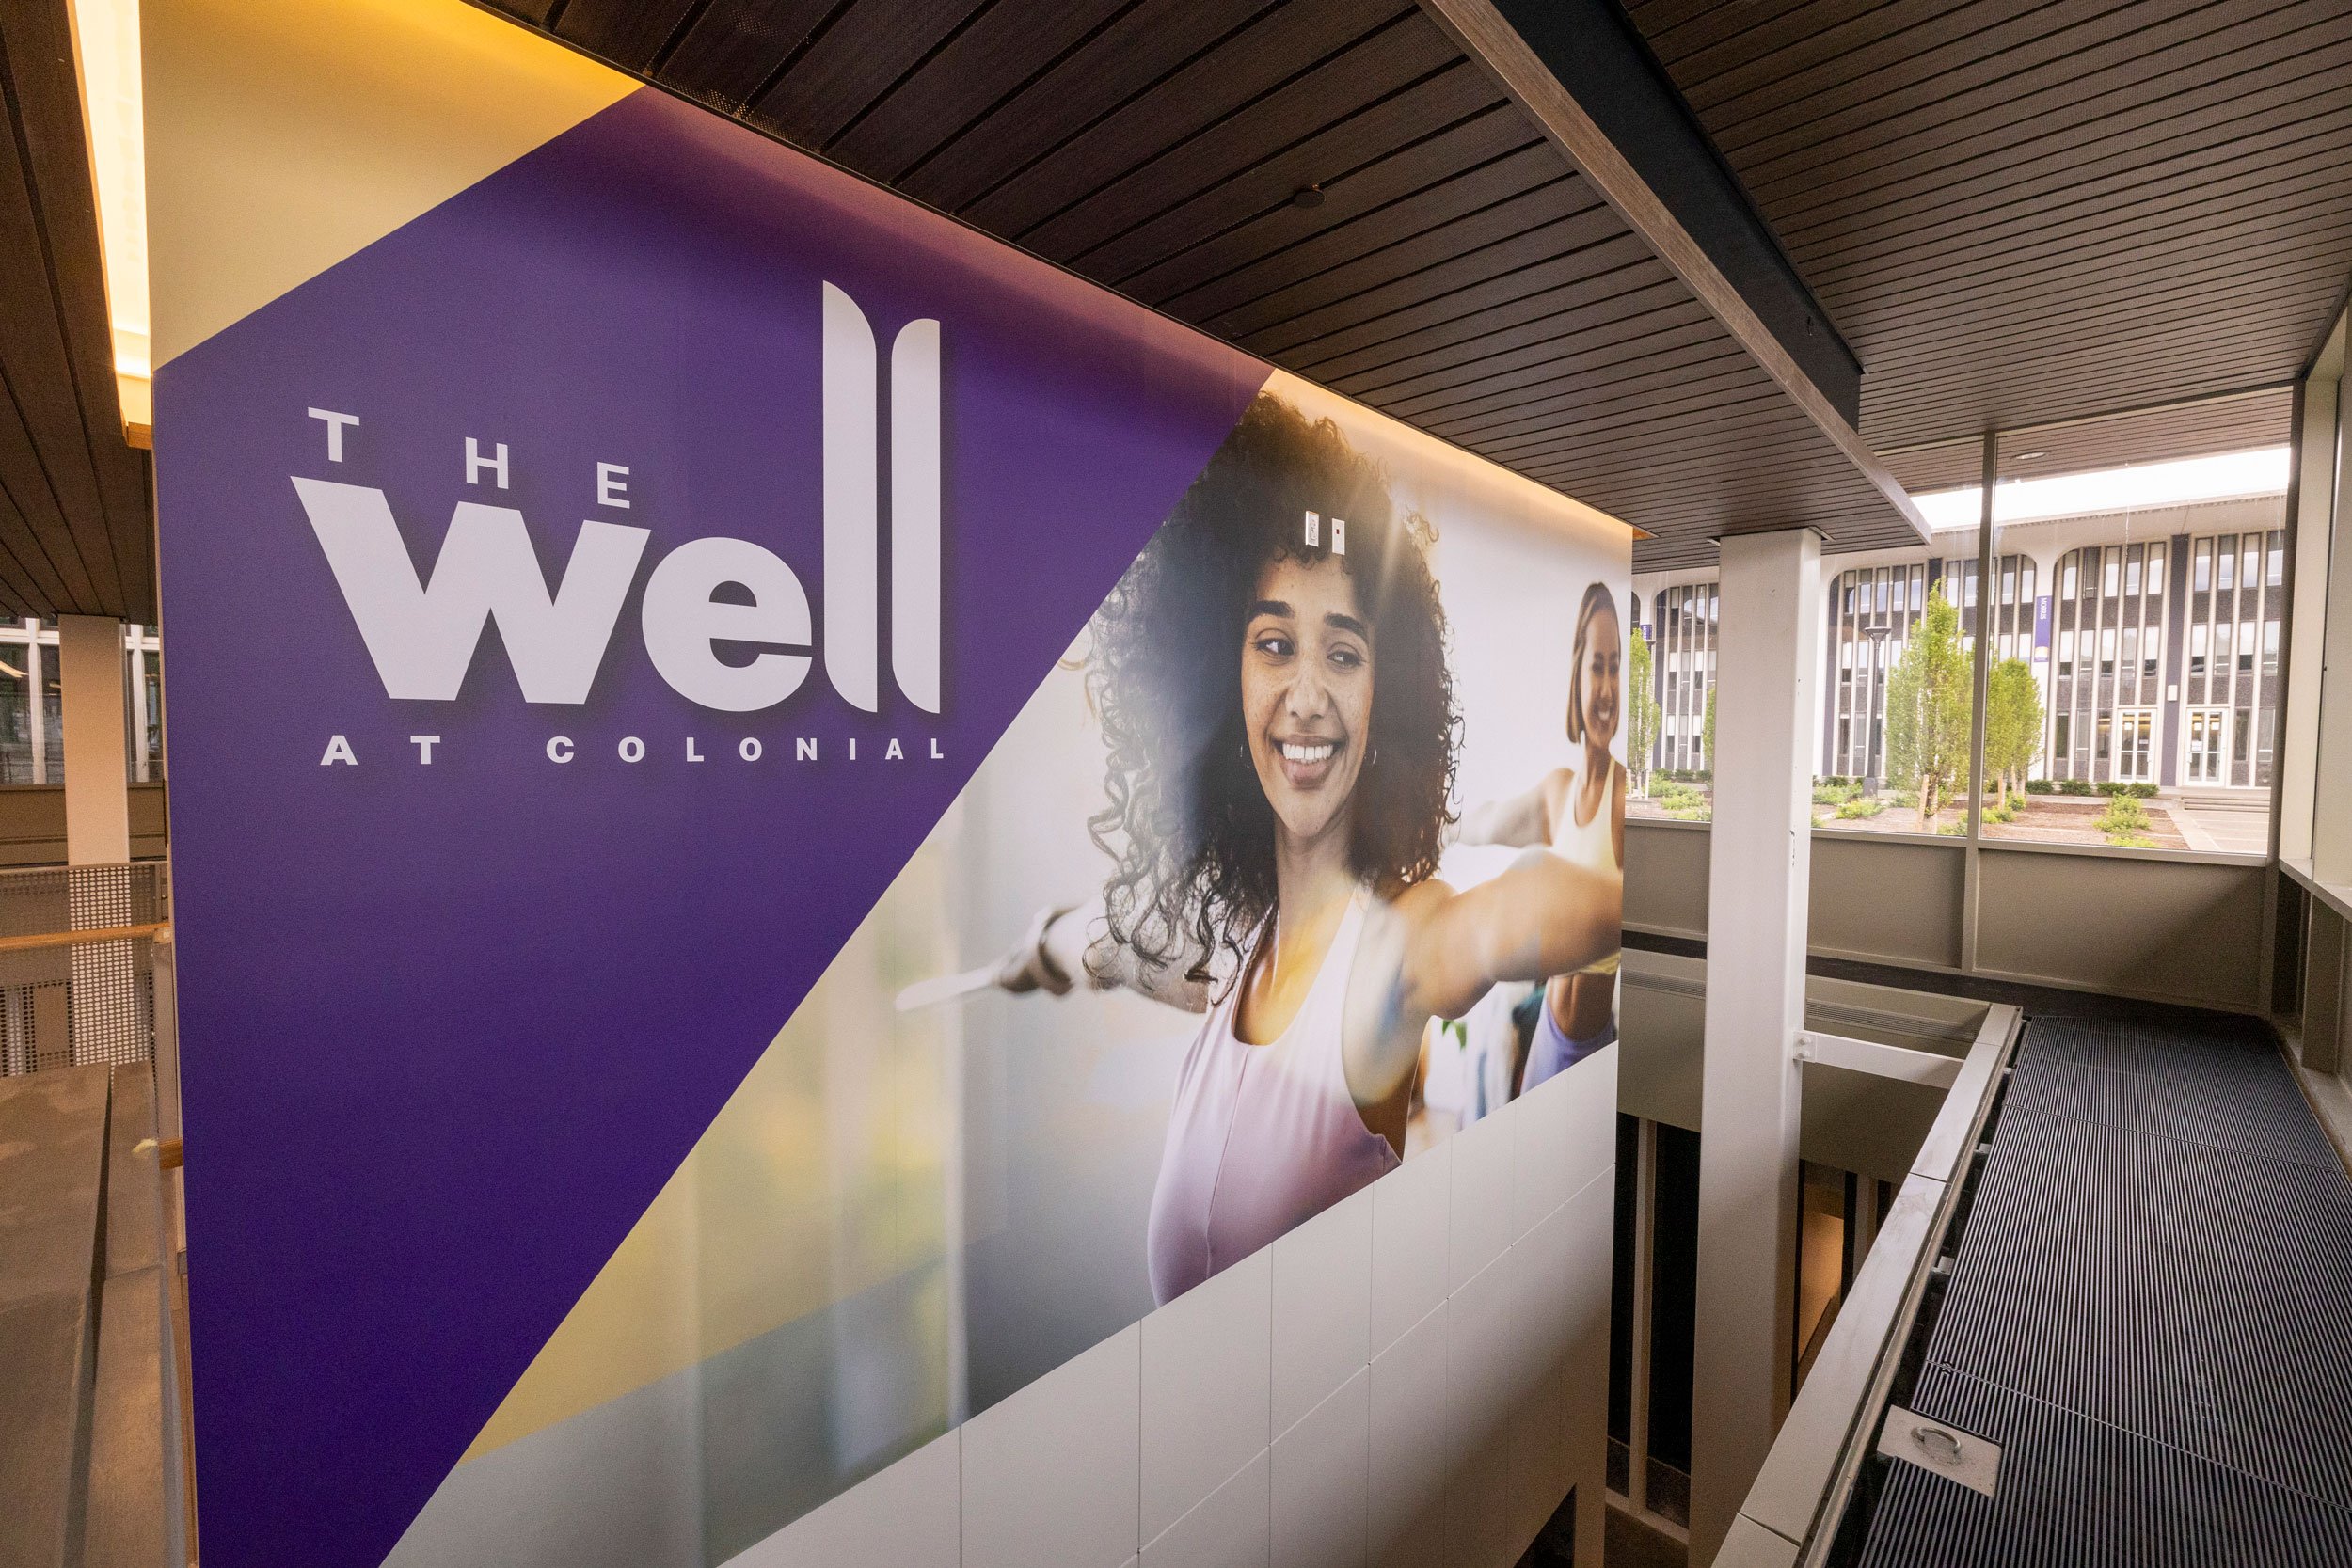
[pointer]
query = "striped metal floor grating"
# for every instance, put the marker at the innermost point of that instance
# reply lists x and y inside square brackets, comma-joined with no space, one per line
[2146,1312]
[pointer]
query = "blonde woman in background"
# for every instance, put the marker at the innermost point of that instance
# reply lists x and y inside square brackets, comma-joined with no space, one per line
[1577,812]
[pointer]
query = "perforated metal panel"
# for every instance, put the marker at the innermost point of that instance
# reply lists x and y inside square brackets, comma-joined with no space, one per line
[91,1002]
[2145,1311]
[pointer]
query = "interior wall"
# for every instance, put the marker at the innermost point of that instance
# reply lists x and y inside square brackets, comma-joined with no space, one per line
[32,824]
[1852,1120]
[1665,877]
[1417,1374]
[2169,929]
[1890,900]
[2175,930]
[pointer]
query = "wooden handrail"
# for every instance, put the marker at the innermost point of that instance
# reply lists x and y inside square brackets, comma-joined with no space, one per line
[74,939]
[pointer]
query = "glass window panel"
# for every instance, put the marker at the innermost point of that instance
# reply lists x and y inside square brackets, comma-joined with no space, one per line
[152,671]
[52,715]
[16,714]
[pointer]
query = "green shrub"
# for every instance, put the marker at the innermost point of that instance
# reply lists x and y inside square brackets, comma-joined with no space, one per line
[1834,792]
[2130,841]
[1951,830]
[2005,812]
[2040,786]
[1856,808]
[2144,791]
[2125,817]
[2073,786]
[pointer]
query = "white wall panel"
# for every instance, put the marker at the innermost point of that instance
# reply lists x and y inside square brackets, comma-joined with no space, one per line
[1412,1447]
[1230,1528]
[1410,1208]
[1050,1476]
[1567,1134]
[1326,1403]
[1207,1389]
[1481,1345]
[1483,1209]
[1321,1329]
[1582,1292]
[909,1516]
[1322,1481]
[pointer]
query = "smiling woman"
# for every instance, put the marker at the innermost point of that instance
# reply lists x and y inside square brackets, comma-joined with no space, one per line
[1274,687]
[1211,612]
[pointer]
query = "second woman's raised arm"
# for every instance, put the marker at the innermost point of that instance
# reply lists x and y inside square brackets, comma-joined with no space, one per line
[1543,917]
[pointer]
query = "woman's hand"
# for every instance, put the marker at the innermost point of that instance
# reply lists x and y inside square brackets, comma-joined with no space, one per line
[1031,966]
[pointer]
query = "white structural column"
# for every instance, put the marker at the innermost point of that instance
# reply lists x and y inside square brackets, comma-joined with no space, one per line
[104,993]
[2331,821]
[97,741]
[1769,656]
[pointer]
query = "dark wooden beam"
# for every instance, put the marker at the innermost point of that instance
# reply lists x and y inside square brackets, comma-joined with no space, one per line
[1586,75]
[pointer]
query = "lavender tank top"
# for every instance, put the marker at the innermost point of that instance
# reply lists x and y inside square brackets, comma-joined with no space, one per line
[1262,1136]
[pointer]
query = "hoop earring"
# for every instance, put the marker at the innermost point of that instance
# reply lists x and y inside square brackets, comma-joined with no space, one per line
[1244,753]
[1374,760]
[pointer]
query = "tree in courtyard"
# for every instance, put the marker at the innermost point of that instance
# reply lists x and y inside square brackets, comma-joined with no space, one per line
[1641,711]
[2012,723]
[1927,709]
[1707,729]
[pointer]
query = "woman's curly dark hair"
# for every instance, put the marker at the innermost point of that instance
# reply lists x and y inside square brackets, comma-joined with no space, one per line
[1187,823]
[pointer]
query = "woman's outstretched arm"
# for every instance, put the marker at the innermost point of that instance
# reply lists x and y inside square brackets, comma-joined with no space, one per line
[1544,916]
[1066,946]
[1521,821]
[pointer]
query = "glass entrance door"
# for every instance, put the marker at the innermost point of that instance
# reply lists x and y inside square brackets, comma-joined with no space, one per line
[2135,733]
[2208,745]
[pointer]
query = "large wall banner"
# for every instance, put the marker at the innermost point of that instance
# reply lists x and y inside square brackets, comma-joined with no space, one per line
[783,816]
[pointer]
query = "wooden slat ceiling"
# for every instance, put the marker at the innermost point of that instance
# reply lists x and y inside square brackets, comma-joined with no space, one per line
[2202,429]
[75,537]
[2020,211]
[1458,272]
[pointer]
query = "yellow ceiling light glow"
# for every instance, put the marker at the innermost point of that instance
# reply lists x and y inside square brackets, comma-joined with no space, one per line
[106,52]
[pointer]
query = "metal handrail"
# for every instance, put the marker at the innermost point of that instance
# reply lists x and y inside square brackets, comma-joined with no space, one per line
[1790,1515]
